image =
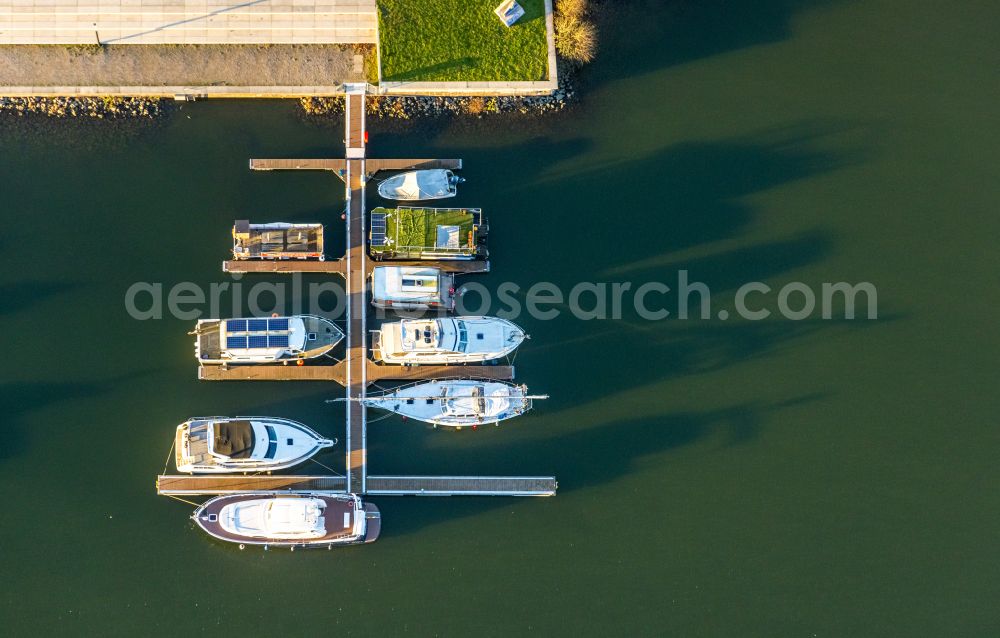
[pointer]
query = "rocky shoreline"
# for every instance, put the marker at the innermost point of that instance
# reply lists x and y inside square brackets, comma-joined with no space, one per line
[109,108]
[409,107]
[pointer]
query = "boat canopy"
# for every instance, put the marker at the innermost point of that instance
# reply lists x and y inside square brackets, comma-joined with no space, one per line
[427,184]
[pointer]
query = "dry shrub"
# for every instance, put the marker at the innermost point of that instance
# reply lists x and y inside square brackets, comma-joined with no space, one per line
[572,8]
[475,105]
[576,39]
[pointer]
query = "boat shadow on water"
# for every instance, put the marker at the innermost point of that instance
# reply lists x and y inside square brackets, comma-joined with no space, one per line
[591,457]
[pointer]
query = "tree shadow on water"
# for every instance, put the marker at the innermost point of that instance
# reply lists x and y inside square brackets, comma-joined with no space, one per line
[17,399]
[21,295]
[639,36]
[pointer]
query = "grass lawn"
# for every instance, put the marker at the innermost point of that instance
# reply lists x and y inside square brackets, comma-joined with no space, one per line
[417,227]
[460,40]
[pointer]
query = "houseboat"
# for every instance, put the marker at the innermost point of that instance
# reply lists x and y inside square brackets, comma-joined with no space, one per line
[412,288]
[427,233]
[277,240]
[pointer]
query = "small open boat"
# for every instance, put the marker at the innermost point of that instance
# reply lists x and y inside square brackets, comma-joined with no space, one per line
[437,183]
[456,402]
[297,520]
[244,444]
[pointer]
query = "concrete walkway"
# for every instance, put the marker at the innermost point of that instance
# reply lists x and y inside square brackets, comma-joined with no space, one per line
[187,21]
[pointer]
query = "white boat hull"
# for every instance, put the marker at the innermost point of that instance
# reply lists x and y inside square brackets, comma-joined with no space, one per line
[218,445]
[455,403]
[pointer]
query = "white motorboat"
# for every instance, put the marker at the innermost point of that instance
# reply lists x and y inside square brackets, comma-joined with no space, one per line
[272,340]
[290,519]
[446,341]
[244,444]
[456,402]
[437,183]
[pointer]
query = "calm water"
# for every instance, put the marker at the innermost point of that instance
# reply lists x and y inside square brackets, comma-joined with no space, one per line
[728,478]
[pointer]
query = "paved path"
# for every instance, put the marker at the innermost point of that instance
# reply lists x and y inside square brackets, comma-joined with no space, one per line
[187,21]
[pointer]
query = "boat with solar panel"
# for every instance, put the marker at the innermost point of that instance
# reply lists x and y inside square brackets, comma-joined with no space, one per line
[272,340]
[205,445]
[427,234]
[296,520]
[446,340]
[435,183]
[457,402]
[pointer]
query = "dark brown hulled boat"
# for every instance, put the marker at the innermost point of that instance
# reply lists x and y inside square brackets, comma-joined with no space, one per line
[290,519]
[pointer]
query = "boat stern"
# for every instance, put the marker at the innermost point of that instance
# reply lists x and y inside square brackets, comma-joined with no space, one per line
[373,523]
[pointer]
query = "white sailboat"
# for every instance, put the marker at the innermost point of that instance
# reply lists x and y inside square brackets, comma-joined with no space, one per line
[446,341]
[456,402]
[437,183]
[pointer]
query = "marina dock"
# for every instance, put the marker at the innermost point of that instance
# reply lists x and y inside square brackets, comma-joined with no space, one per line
[337,372]
[202,485]
[356,371]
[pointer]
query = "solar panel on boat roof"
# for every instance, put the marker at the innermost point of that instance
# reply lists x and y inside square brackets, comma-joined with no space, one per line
[236,325]
[277,324]
[258,341]
[257,325]
[235,343]
[277,341]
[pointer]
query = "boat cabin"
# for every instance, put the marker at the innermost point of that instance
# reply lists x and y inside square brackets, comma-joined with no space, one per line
[412,288]
[277,241]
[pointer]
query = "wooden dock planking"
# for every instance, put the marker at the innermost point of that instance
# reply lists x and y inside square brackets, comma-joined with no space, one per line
[455,266]
[337,372]
[373,166]
[228,484]
[462,485]
[378,372]
[357,348]
[339,266]
[336,266]
[298,164]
